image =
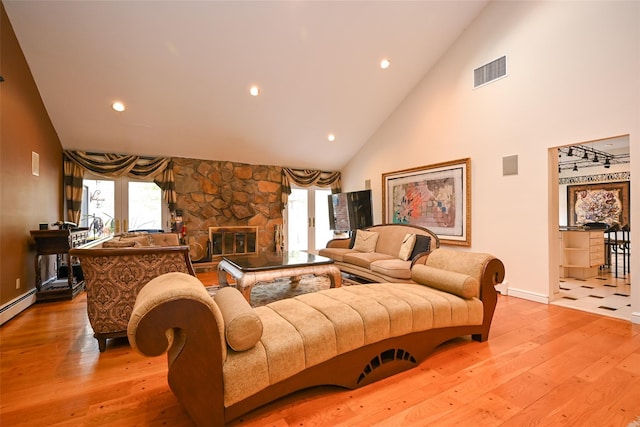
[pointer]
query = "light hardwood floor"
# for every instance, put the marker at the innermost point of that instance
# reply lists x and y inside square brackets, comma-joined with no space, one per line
[543,365]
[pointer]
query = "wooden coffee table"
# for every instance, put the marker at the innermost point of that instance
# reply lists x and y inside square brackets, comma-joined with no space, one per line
[249,270]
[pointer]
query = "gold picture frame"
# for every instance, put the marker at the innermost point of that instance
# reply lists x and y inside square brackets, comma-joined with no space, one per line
[437,197]
[606,202]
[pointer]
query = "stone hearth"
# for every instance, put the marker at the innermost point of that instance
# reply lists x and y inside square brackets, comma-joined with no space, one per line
[220,193]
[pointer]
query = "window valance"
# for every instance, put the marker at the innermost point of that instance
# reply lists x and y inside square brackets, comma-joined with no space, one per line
[114,166]
[308,178]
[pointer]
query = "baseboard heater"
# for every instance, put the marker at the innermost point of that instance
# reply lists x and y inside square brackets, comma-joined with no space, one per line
[17,306]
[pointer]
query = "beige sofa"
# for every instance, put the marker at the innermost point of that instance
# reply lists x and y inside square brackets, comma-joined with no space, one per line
[226,359]
[116,269]
[383,263]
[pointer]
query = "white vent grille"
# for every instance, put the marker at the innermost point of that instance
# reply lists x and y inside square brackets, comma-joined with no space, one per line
[494,70]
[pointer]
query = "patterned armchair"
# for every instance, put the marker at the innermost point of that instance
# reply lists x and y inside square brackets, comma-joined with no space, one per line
[115,273]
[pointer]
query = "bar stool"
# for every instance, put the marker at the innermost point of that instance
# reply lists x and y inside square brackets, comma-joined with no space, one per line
[610,246]
[625,248]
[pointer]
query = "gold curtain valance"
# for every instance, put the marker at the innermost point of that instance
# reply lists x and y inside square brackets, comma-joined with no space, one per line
[117,165]
[114,166]
[309,178]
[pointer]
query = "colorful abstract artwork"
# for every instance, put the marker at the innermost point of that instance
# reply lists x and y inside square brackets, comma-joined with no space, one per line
[606,203]
[436,197]
[431,203]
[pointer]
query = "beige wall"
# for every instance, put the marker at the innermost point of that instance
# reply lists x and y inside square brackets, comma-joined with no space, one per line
[25,200]
[573,72]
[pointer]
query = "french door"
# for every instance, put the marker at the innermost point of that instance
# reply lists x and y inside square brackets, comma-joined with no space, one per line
[307,219]
[113,206]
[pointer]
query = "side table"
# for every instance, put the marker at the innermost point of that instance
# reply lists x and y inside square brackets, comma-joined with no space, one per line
[58,242]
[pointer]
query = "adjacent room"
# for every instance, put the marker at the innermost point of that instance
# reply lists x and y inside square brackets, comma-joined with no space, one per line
[290,213]
[595,245]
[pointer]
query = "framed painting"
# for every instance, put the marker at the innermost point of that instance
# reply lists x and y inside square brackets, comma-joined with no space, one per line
[437,197]
[604,203]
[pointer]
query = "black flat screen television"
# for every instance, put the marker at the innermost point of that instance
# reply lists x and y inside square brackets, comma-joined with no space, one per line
[350,211]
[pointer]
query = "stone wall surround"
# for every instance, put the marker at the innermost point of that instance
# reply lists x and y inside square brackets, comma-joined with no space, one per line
[215,193]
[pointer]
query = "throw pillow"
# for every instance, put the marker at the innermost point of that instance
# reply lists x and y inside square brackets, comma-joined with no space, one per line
[120,244]
[142,240]
[451,282]
[423,244]
[365,241]
[242,327]
[407,246]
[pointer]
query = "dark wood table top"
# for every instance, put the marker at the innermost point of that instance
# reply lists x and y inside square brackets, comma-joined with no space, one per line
[275,260]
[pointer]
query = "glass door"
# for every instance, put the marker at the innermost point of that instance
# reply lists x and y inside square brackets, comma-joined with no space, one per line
[307,218]
[98,212]
[113,206]
[144,209]
[322,232]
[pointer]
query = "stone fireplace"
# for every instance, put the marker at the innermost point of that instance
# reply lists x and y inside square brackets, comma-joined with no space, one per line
[232,241]
[226,195]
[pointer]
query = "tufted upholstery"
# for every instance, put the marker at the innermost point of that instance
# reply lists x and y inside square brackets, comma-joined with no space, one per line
[349,336]
[114,276]
[308,329]
[164,239]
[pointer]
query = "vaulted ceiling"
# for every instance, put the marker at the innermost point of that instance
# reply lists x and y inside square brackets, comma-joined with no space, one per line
[183,70]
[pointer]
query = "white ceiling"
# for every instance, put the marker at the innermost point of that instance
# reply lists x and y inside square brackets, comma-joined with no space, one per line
[184,68]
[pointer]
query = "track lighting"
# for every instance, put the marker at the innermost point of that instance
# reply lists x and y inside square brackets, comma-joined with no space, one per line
[576,157]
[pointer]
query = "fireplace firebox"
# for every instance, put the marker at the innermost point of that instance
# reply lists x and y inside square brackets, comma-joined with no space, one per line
[233,240]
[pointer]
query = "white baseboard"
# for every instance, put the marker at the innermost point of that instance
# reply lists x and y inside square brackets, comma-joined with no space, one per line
[17,306]
[528,295]
[503,288]
[635,317]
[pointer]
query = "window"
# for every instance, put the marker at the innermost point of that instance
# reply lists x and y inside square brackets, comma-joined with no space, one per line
[112,206]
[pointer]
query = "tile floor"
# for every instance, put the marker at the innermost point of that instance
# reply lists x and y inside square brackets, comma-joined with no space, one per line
[604,294]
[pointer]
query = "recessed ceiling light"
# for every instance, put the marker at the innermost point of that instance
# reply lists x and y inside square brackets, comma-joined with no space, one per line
[118,106]
[331,137]
[254,90]
[385,63]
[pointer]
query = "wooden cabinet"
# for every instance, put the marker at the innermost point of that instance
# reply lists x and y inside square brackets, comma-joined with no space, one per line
[582,253]
[67,281]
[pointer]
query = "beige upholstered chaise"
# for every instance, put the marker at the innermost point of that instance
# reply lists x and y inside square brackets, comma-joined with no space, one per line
[226,359]
[115,270]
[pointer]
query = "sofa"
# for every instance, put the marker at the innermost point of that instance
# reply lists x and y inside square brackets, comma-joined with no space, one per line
[115,269]
[226,358]
[382,253]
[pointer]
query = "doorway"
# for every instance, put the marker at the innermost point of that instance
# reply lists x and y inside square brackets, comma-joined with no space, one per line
[113,206]
[606,288]
[307,219]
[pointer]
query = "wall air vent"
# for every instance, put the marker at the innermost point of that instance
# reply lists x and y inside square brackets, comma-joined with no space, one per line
[494,70]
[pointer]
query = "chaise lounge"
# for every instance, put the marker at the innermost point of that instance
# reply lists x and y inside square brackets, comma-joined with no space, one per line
[226,359]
